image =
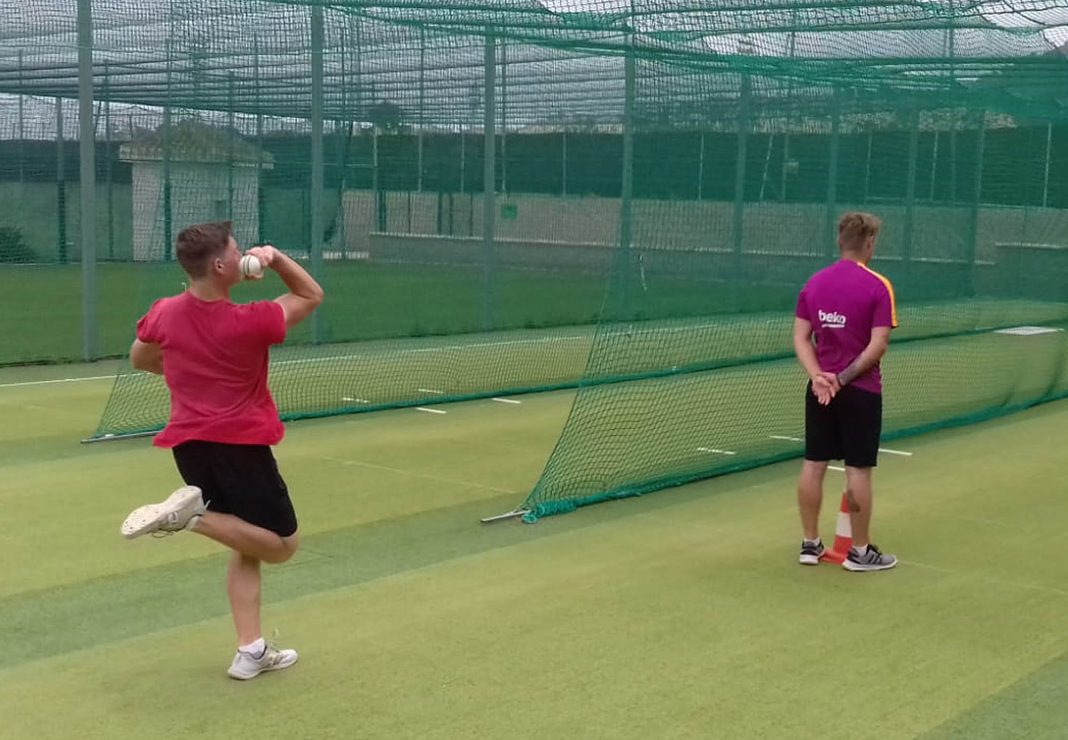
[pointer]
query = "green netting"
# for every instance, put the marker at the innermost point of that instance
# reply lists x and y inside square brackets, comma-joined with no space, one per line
[663,176]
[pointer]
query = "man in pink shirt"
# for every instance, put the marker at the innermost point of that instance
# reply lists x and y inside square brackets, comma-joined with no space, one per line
[213,355]
[849,310]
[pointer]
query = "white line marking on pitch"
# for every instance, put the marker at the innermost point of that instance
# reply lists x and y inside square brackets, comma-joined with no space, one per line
[999,581]
[354,400]
[642,331]
[430,411]
[895,452]
[431,390]
[835,467]
[506,400]
[715,451]
[413,473]
[60,380]
[788,439]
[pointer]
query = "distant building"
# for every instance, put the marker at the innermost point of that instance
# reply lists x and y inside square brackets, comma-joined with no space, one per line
[214,176]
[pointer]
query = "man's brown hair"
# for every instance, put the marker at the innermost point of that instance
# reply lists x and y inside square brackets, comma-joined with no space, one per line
[199,244]
[855,227]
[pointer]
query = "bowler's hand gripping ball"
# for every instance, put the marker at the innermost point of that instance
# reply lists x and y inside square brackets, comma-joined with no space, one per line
[251,267]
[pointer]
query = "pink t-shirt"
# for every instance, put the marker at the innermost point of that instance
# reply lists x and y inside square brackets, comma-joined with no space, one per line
[844,302]
[215,356]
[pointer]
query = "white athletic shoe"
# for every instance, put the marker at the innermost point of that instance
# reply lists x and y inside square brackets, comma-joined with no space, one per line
[179,511]
[247,665]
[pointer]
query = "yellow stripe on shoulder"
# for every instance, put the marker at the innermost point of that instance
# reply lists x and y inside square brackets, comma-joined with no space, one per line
[890,290]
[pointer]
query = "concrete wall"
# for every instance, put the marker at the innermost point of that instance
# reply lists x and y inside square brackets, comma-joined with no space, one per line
[939,232]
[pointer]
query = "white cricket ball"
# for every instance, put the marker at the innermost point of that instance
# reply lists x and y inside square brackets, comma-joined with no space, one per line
[251,267]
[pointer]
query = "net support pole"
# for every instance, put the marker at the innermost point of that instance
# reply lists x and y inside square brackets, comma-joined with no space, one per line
[867,169]
[230,141]
[504,118]
[61,187]
[315,248]
[910,191]
[489,176]
[168,217]
[87,176]
[738,221]
[260,198]
[22,137]
[626,202]
[108,164]
[1049,152]
[165,141]
[563,162]
[977,194]
[165,144]
[832,175]
[934,168]
[701,168]
[513,514]
[422,111]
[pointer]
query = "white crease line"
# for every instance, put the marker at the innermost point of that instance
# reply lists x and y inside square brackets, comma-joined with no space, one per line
[895,452]
[1000,581]
[788,439]
[442,348]
[354,400]
[715,451]
[835,467]
[430,411]
[60,380]
[642,332]
[431,390]
[506,400]
[413,474]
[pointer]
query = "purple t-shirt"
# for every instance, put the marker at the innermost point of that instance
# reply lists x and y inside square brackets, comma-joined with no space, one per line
[844,302]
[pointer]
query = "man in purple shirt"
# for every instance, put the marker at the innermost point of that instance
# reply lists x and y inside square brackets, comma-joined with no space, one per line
[849,311]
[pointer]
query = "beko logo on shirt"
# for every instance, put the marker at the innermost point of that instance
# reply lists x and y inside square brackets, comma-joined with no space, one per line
[833,320]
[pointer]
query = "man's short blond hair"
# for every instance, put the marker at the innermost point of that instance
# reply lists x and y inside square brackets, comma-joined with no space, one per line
[855,227]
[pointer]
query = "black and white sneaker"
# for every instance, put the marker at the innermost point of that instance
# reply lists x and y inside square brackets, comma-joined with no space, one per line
[811,552]
[872,559]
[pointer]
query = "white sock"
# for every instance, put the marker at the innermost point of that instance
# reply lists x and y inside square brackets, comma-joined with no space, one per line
[861,550]
[815,542]
[254,648]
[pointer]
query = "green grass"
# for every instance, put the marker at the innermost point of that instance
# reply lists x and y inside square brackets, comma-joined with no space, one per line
[676,615]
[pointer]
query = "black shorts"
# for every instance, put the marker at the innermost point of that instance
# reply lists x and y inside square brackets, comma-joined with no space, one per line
[846,429]
[242,480]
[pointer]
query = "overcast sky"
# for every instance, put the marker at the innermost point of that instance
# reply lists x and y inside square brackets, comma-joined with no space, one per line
[44,32]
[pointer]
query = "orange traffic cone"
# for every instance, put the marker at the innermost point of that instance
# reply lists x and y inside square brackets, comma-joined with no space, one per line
[843,535]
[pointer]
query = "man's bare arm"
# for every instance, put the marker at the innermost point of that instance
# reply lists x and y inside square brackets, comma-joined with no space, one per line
[147,356]
[880,339]
[803,348]
[824,385]
[304,295]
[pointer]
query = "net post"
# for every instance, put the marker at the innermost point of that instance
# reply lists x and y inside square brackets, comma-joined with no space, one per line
[513,514]
[738,219]
[977,191]
[316,244]
[832,173]
[489,177]
[626,203]
[61,188]
[87,175]
[910,190]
